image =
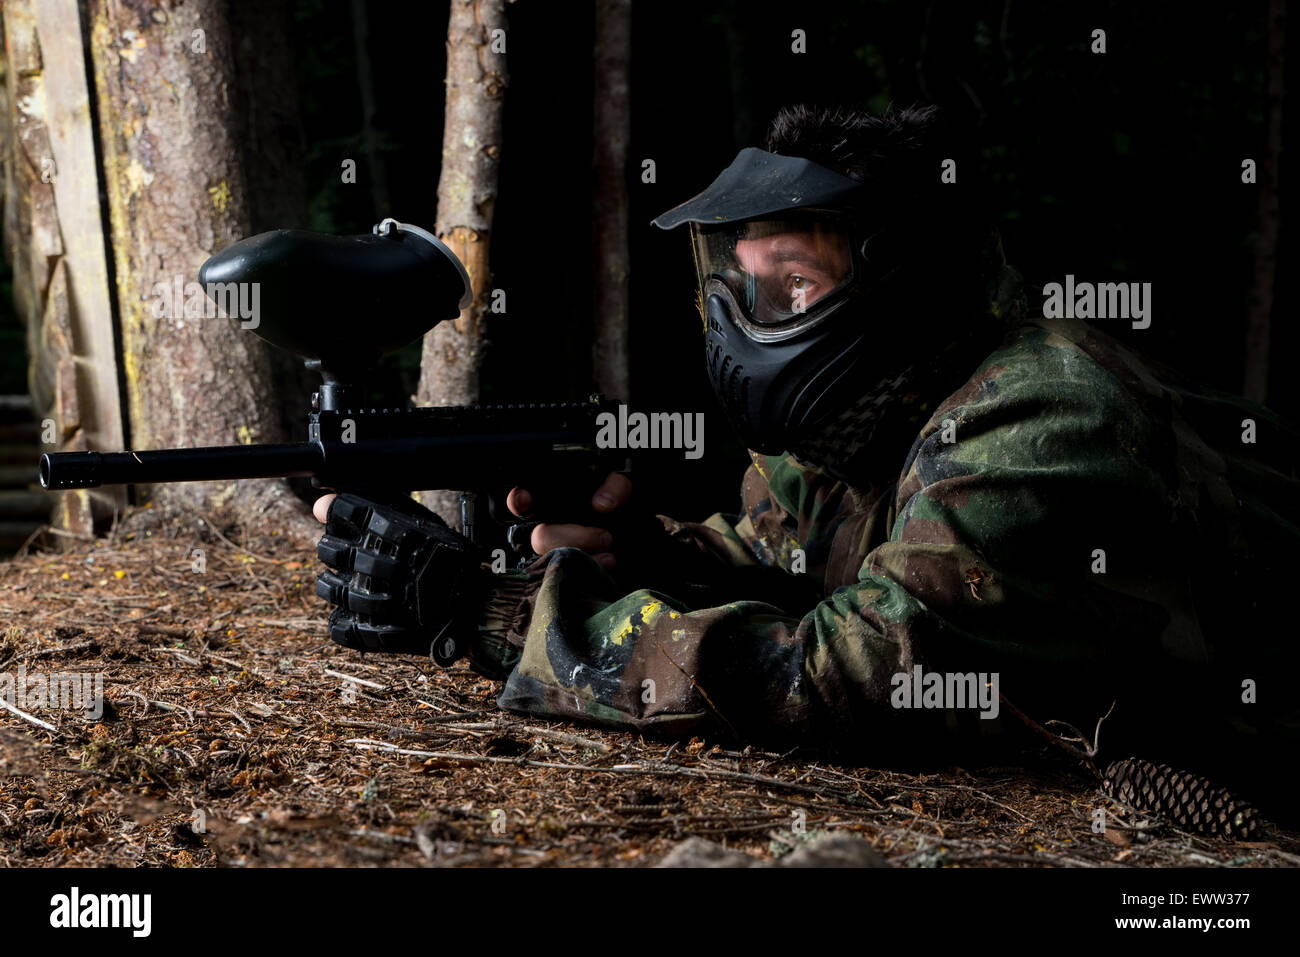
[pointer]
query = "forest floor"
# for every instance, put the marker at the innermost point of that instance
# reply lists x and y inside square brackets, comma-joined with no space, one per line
[234,733]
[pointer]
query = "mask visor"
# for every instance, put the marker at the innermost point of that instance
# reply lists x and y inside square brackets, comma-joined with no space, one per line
[783,273]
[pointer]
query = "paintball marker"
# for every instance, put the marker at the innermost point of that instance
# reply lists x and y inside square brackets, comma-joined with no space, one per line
[311,288]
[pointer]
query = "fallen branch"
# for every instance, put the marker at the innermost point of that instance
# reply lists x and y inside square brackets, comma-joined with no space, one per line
[62,649]
[26,717]
[1083,757]
[355,680]
[703,694]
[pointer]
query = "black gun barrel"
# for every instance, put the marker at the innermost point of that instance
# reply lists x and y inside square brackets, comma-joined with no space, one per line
[66,470]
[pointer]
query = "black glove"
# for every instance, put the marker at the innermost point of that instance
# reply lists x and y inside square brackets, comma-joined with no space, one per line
[406,583]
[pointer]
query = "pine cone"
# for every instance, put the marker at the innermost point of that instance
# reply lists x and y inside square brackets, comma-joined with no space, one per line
[1191,802]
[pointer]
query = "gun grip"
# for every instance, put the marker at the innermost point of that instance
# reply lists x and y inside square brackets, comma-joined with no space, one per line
[567,502]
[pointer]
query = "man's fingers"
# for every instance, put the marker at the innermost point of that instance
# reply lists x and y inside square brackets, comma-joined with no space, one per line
[321,508]
[548,536]
[519,501]
[613,493]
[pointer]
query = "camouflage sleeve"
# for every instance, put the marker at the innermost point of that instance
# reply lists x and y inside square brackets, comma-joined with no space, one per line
[1037,541]
[790,516]
[724,558]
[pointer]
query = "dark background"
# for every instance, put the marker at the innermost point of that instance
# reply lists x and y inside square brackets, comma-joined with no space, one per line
[1117,167]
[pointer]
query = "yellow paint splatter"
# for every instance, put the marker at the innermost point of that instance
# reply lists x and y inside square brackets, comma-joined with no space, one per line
[629,626]
[137,177]
[247,434]
[221,196]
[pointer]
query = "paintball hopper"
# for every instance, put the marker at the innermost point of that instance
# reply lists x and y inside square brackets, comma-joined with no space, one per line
[343,301]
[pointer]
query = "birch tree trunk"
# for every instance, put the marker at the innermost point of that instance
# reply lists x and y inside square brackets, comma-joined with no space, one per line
[612,130]
[467,191]
[1261,298]
[172,140]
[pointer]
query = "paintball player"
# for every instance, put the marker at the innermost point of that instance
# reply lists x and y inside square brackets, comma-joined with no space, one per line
[942,482]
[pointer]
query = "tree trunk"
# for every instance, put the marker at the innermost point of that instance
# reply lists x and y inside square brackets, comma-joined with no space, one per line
[467,191]
[273,144]
[612,129]
[171,130]
[1261,297]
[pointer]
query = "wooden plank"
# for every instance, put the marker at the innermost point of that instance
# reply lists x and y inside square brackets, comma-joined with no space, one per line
[76,191]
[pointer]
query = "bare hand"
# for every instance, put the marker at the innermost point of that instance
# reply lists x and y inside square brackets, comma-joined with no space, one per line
[321,508]
[612,494]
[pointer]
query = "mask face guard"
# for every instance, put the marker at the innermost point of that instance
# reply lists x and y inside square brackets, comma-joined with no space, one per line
[779,371]
[771,390]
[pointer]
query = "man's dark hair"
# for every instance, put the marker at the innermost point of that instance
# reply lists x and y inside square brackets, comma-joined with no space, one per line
[855,143]
[940,228]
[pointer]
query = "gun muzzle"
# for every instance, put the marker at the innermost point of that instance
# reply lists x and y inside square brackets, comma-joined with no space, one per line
[69,470]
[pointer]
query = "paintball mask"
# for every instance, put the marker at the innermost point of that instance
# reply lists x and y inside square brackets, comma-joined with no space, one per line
[787,254]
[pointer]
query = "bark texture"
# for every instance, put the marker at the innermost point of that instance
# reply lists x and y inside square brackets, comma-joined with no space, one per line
[467,190]
[173,138]
[272,147]
[612,130]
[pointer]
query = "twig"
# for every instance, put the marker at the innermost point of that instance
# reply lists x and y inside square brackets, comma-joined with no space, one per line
[367,744]
[236,664]
[973,790]
[64,533]
[22,549]
[162,704]
[171,631]
[457,716]
[1082,757]
[703,693]
[181,655]
[355,680]
[48,652]
[1078,735]
[379,726]
[26,717]
[565,738]
[561,736]
[240,718]
[215,531]
[291,624]
[381,836]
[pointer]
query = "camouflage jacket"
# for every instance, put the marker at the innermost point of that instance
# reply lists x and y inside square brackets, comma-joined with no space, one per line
[1070,520]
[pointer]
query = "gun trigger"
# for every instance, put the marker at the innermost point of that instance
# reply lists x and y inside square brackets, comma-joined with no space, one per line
[519,536]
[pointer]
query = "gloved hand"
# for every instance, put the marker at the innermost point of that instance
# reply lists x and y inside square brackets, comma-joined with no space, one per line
[404,582]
